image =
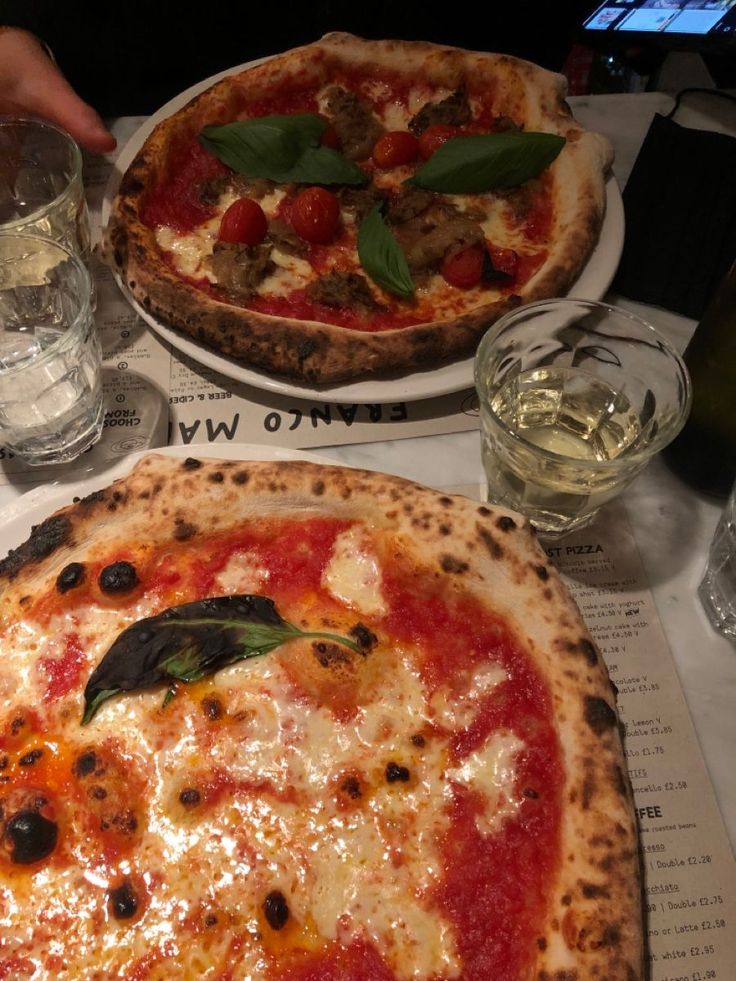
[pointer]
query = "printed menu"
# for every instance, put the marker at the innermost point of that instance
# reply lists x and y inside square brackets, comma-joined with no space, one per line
[687,863]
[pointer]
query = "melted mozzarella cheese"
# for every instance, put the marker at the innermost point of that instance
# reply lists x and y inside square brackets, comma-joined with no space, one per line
[241,574]
[489,771]
[353,575]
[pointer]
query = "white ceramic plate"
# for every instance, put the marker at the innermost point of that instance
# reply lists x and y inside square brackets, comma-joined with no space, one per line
[18,517]
[592,284]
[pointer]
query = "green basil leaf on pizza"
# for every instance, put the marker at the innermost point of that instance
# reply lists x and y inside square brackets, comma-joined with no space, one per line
[188,642]
[381,256]
[488,162]
[285,149]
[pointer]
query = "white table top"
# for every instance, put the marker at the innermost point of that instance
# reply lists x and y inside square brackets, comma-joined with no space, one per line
[672,524]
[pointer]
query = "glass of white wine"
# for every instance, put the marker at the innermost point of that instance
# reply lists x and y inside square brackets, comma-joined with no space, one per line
[41,191]
[575,398]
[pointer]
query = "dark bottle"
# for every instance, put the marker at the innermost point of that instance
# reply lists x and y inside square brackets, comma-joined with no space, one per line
[704,454]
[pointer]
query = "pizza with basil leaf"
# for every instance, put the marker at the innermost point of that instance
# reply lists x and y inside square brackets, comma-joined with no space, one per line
[268,721]
[352,207]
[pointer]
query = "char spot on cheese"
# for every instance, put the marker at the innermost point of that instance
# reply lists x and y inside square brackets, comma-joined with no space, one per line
[190,797]
[397,773]
[351,787]
[212,707]
[118,577]
[30,837]
[30,758]
[276,910]
[418,740]
[123,901]
[191,464]
[70,576]
[365,638]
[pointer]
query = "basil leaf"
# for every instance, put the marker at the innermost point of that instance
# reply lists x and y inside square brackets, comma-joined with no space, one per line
[489,162]
[284,149]
[381,256]
[188,642]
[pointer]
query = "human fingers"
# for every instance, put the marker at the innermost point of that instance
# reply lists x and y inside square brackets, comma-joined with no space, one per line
[32,84]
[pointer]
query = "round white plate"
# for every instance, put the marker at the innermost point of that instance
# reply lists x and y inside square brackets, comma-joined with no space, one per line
[592,284]
[18,517]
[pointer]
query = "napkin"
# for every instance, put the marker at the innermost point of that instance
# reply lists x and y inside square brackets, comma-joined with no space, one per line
[680,204]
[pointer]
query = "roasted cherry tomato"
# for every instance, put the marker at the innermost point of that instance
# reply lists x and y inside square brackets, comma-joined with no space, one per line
[434,136]
[315,215]
[464,268]
[504,260]
[244,221]
[330,138]
[395,148]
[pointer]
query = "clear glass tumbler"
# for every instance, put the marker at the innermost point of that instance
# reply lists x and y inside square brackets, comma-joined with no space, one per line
[575,398]
[51,406]
[41,191]
[718,589]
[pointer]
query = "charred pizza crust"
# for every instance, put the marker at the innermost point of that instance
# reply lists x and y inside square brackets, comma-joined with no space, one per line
[322,353]
[594,926]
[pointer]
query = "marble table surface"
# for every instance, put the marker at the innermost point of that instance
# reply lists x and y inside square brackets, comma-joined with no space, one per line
[672,524]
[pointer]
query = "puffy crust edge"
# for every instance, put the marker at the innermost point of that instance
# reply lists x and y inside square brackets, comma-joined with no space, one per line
[323,353]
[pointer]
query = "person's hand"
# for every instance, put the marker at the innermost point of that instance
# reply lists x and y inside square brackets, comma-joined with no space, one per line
[32,85]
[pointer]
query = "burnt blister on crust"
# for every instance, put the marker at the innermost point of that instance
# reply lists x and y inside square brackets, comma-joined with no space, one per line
[44,539]
[598,714]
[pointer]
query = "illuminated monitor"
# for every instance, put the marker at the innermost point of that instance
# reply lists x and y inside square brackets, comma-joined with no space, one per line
[680,21]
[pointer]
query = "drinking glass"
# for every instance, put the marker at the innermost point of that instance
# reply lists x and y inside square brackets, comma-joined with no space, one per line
[575,398]
[41,190]
[50,361]
[718,589]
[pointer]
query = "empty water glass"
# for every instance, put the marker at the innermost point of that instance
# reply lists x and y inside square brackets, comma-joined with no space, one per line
[41,191]
[718,588]
[50,361]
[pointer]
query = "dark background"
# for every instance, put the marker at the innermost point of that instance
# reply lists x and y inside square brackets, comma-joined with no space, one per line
[129,57]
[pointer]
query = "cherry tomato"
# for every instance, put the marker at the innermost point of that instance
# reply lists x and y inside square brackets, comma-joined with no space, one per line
[395,148]
[315,215]
[504,260]
[244,221]
[434,136]
[464,268]
[330,138]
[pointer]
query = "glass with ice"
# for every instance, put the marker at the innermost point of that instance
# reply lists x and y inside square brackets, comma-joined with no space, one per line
[50,362]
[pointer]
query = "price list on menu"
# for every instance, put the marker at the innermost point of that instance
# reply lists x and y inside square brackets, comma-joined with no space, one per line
[687,863]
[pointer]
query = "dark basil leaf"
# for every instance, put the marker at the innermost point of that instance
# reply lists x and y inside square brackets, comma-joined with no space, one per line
[284,149]
[381,256]
[475,164]
[185,643]
[321,165]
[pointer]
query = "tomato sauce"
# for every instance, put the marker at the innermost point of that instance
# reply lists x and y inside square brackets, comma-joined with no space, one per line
[177,202]
[64,672]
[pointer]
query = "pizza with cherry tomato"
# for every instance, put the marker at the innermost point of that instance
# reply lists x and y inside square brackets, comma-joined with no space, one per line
[352,207]
[287,722]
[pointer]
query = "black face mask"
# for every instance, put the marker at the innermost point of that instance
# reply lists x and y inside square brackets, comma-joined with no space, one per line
[680,203]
